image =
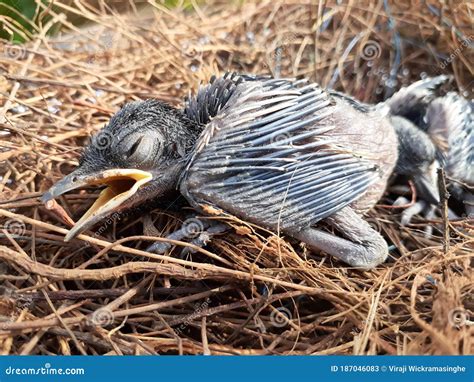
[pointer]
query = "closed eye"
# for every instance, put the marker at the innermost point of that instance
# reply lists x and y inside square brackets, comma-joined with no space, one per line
[134,147]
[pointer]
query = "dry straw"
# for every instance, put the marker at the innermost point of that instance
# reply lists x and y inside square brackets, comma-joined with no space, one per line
[249,292]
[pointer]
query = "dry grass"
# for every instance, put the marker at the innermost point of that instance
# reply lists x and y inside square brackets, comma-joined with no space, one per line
[249,292]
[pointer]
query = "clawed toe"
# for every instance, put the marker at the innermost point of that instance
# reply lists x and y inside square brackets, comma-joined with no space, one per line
[195,231]
[159,247]
[411,211]
[204,237]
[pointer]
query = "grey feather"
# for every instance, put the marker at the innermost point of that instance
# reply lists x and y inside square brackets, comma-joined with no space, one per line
[272,142]
[412,101]
[450,121]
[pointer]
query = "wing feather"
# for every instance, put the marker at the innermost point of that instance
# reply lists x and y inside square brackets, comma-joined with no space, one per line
[412,101]
[450,121]
[268,156]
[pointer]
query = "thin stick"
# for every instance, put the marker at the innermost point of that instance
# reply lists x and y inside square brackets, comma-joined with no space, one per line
[444,196]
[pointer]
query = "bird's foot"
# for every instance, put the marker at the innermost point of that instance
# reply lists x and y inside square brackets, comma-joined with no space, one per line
[422,208]
[418,207]
[194,231]
[361,246]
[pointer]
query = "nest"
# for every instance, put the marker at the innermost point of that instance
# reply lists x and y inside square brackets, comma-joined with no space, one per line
[248,292]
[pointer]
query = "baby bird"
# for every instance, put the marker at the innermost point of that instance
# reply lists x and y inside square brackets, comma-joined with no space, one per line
[284,154]
[447,122]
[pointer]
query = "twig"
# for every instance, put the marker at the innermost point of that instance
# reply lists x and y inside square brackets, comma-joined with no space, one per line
[444,196]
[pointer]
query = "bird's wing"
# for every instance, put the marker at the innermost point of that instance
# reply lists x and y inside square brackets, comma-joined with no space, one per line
[212,97]
[411,101]
[451,125]
[356,104]
[268,156]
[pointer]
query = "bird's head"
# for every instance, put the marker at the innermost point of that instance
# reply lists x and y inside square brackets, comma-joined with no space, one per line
[418,158]
[138,156]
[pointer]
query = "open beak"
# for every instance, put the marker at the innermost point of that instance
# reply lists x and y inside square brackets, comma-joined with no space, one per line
[121,184]
[427,186]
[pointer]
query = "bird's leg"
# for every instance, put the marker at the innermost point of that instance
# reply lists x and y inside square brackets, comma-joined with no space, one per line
[363,247]
[205,236]
[161,247]
[428,211]
[193,230]
[417,208]
[429,215]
